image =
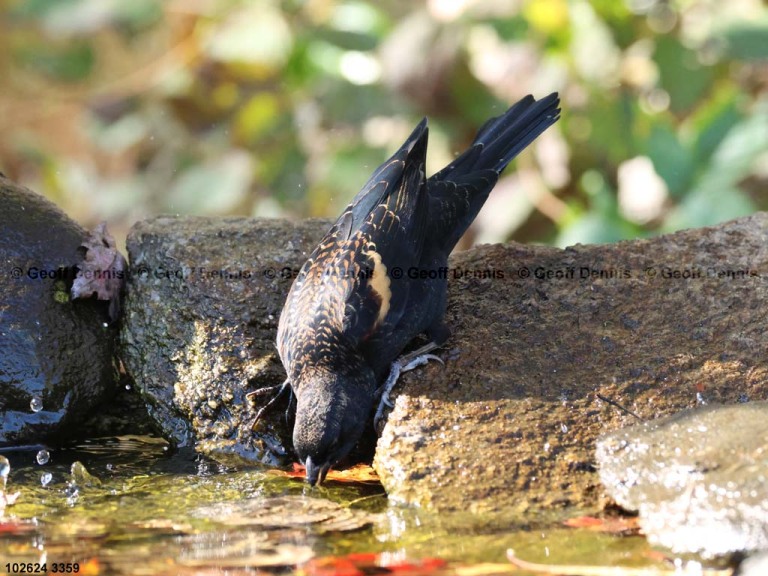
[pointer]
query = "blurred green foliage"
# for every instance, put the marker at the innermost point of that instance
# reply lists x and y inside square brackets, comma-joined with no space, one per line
[119,110]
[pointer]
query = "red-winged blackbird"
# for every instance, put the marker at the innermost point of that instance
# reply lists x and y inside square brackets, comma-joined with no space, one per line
[373,283]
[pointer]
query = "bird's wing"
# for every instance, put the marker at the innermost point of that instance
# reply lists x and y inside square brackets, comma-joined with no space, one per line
[347,286]
[459,190]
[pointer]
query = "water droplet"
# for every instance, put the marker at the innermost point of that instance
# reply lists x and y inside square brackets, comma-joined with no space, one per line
[36,404]
[5,469]
[128,387]
[45,478]
[43,457]
[71,492]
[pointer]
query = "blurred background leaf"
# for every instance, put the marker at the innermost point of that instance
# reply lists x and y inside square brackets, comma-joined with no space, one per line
[121,110]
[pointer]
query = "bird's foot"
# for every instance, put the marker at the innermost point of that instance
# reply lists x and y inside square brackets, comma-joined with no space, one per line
[258,392]
[403,364]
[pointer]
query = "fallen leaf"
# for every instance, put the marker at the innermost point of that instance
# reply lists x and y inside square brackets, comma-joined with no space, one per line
[90,568]
[369,563]
[163,524]
[102,271]
[357,474]
[13,526]
[611,525]
[287,512]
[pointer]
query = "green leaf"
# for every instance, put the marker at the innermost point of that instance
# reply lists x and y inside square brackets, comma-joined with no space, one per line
[671,159]
[592,228]
[713,124]
[215,187]
[70,63]
[707,206]
[716,196]
[747,40]
[682,76]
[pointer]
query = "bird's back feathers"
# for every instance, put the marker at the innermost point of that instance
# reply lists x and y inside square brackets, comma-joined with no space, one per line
[346,298]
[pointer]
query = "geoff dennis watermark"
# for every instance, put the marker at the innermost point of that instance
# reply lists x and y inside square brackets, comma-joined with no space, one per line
[142,272]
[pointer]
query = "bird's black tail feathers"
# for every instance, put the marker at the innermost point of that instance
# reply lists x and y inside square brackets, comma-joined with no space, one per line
[504,137]
[459,190]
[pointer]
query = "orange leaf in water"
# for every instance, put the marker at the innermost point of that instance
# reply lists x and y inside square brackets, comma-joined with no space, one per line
[330,566]
[357,474]
[17,526]
[90,568]
[369,563]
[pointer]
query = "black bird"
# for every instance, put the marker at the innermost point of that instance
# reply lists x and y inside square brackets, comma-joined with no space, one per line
[354,305]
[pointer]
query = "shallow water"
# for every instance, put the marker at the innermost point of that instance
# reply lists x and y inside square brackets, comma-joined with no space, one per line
[131,507]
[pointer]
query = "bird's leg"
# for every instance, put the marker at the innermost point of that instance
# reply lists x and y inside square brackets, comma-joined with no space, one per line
[403,364]
[260,391]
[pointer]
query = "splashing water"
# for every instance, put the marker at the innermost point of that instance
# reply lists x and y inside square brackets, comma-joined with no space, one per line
[5,470]
[5,498]
[43,457]
[36,404]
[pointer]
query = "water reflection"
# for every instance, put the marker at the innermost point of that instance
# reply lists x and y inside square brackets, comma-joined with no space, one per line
[130,506]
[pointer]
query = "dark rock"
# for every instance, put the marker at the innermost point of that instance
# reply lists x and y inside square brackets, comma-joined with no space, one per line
[509,424]
[54,352]
[203,300]
[698,478]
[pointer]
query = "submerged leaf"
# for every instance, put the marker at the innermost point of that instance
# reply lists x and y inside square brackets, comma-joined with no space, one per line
[358,474]
[241,549]
[287,512]
[618,525]
[369,563]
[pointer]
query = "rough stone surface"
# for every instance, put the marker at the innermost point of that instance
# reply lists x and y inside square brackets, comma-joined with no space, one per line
[699,479]
[52,349]
[203,301]
[510,422]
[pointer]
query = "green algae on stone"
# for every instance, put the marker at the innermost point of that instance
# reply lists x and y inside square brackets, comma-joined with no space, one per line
[203,301]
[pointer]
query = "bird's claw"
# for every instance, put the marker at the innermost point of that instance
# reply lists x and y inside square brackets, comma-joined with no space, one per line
[402,364]
[420,361]
[258,392]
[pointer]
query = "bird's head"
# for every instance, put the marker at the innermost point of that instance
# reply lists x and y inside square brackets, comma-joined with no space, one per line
[331,412]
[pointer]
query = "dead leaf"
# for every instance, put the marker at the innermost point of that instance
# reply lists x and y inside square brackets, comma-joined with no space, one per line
[90,568]
[13,526]
[369,563]
[357,474]
[611,525]
[241,550]
[102,271]
[287,512]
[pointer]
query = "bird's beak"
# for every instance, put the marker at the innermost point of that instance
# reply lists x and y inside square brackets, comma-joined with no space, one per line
[315,474]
